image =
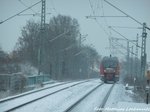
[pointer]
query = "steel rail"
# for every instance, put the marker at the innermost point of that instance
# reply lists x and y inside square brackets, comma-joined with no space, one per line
[105,99]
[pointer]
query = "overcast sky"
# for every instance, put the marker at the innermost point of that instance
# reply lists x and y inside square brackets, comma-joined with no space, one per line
[98,33]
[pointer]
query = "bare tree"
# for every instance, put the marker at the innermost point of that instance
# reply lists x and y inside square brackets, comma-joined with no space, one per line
[59,48]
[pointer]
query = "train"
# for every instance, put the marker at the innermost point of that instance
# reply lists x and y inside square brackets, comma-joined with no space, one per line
[109,69]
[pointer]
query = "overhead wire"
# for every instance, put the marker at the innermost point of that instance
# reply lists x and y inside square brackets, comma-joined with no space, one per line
[123,12]
[126,27]
[106,23]
[103,13]
[100,25]
[19,13]
[118,50]
[53,6]
[26,6]
[35,13]
[98,5]
[124,48]
[91,7]
[58,36]
[107,16]
[97,20]
[126,14]
[124,37]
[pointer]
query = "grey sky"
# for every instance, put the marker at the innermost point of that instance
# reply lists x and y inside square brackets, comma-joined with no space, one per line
[139,9]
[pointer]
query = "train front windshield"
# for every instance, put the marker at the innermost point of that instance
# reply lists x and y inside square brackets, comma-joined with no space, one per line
[110,63]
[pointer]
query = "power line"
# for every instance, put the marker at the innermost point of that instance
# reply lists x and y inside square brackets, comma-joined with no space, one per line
[91,7]
[115,47]
[101,27]
[53,5]
[97,20]
[119,44]
[106,16]
[126,14]
[36,14]
[26,5]
[123,12]
[119,33]
[124,37]
[126,27]
[60,35]
[19,12]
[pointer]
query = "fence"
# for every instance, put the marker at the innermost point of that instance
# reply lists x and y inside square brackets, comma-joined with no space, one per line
[18,81]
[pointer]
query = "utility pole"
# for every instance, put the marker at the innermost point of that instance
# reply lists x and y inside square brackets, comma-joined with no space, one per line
[143,52]
[128,55]
[136,59]
[81,39]
[132,64]
[42,29]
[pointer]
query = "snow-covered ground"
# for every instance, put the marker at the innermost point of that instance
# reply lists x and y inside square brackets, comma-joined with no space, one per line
[22,100]
[36,89]
[93,100]
[120,100]
[60,101]
[8,93]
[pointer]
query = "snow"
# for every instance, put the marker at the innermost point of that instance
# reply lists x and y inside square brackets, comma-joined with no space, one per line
[93,100]
[45,86]
[18,101]
[120,100]
[118,94]
[60,101]
[123,100]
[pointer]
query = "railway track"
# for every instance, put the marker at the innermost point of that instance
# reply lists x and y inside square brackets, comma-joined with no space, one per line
[34,91]
[105,99]
[73,106]
[31,92]
[82,98]
[11,108]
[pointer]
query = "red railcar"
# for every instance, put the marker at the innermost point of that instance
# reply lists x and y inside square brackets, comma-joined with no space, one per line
[109,69]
